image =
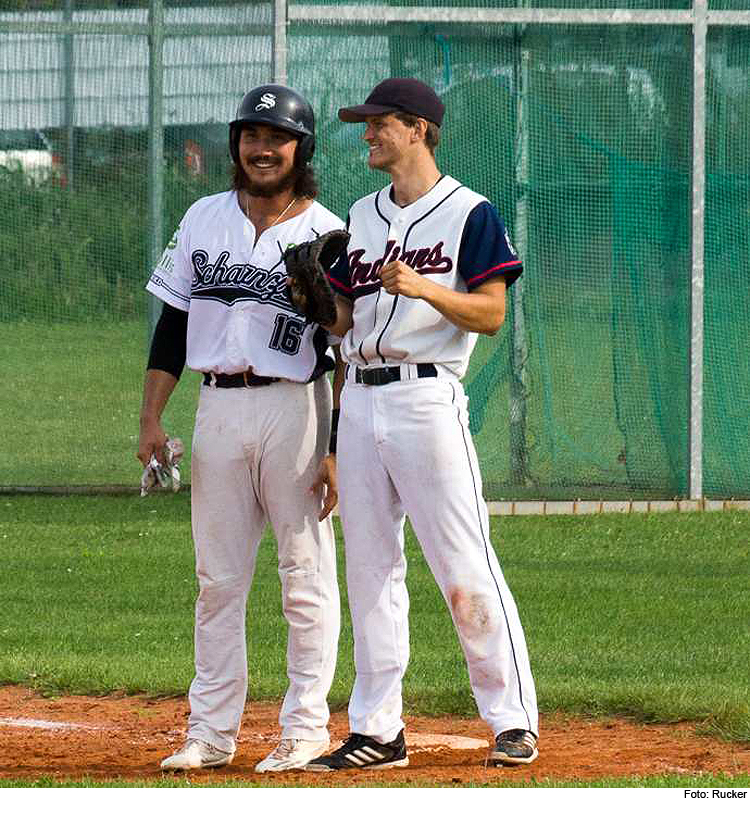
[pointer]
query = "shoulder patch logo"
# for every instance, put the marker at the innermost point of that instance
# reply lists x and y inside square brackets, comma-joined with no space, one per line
[173,243]
[510,245]
[267,101]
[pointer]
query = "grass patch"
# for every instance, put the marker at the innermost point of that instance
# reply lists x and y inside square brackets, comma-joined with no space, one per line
[72,416]
[642,615]
[211,780]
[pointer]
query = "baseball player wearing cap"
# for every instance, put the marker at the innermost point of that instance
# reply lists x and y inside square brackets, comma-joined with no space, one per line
[262,428]
[429,262]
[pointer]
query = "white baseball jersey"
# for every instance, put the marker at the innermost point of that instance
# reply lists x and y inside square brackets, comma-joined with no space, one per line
[233,289]
[454,237]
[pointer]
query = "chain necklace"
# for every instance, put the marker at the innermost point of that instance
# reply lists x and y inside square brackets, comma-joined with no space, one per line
[278,217]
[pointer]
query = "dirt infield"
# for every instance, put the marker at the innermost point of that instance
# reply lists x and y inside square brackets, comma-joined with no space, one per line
[119,736]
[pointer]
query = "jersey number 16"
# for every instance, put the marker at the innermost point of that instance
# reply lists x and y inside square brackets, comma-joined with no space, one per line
[287,334]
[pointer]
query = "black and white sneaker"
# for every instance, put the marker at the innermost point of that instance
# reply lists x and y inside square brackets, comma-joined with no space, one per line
[514,747]
[361,752]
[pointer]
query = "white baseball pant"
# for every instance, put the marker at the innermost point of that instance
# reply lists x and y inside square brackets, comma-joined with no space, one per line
[405,448]
[255,456]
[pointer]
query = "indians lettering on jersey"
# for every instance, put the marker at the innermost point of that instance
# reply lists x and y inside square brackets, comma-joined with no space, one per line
[426,235]
[425,260]
[229,283]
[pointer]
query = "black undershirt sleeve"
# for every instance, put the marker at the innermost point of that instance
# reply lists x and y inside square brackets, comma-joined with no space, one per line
[169,344]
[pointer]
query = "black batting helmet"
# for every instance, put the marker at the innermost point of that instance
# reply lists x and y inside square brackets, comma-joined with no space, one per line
[280,107]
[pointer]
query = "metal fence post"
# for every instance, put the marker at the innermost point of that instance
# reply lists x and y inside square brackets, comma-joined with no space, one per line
[155,146]
[519,350]
[280,13]
[70,97]
[700,26]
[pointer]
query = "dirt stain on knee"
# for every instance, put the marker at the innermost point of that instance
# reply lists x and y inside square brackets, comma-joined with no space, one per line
[470,612]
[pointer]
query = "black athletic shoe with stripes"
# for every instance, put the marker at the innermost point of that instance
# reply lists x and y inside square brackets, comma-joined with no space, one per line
[514,747]
[362,753]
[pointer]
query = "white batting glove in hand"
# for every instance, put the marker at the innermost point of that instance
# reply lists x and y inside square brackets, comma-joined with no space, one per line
[155,474]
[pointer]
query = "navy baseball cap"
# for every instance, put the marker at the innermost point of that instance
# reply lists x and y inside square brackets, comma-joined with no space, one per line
[391,95]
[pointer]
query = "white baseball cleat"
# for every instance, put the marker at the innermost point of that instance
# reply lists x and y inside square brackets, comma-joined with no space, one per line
[292,753]
[196,754]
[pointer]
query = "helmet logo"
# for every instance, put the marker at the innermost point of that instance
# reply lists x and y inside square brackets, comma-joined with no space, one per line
[268,100]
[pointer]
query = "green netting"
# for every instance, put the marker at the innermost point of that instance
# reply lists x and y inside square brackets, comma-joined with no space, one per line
[606,215]
[727,312]
[729,5]
[582,137]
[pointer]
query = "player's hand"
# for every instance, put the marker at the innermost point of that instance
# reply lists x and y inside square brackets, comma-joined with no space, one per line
[151,442]
[400,279]
[326,479]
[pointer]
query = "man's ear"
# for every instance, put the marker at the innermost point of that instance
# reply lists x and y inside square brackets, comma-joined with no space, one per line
[419,132]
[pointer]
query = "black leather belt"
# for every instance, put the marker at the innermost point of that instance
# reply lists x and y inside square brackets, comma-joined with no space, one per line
[389,374]
[246,379]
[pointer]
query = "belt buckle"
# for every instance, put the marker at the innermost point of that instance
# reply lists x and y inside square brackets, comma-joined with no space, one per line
[381,376]
[391,374]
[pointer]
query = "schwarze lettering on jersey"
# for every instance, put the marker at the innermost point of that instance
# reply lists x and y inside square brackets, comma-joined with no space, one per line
[230,283]
[426,261]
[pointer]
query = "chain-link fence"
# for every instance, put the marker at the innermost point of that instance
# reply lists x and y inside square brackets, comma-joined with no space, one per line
[616,145]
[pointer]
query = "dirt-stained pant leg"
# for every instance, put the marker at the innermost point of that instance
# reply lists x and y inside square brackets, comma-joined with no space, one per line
[255,451]
[441,489]
[422,442]
[289,462]
[372,521]
[228,523]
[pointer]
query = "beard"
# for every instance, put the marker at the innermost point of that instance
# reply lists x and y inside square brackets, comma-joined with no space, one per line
[267,189]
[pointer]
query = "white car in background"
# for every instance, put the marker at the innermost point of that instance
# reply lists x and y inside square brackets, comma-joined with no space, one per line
[31,152]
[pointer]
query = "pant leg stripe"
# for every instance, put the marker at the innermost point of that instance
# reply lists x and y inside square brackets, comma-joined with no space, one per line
[477,499]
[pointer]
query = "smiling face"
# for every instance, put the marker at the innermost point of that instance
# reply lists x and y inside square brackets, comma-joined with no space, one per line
[266,157]
[389,140]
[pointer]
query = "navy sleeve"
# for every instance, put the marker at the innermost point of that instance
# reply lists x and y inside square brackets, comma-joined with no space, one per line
[169,344]
[486,251]
[339,276]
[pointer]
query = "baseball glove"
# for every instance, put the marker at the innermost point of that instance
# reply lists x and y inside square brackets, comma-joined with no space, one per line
[306,265]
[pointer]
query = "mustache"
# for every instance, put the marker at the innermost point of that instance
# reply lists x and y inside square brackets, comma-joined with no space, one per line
[242,182]
[264,159]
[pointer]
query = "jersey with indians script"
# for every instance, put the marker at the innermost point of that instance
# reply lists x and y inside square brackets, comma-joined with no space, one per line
[453,236]
[232,284]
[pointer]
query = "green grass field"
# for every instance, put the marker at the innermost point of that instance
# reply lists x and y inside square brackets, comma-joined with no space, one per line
[661,781]
[641,615]
[71,418]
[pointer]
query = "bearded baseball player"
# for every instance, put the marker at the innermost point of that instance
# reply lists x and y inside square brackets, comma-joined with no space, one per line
[260,446]
[429,262]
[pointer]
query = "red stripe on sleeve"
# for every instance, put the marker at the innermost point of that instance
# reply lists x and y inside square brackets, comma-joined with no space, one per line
[482,275]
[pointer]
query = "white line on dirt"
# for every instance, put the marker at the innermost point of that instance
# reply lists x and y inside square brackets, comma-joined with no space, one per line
[46,725]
